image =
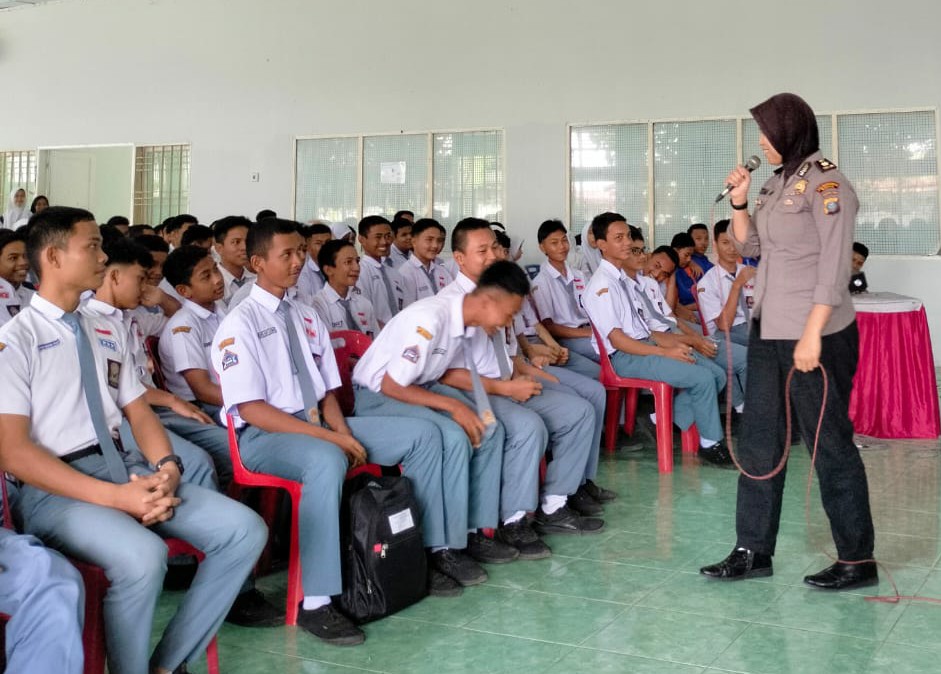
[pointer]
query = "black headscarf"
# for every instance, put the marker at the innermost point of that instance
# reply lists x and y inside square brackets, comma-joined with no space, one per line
[789,123]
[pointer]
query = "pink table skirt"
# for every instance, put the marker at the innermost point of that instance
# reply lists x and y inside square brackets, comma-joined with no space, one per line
[895,393]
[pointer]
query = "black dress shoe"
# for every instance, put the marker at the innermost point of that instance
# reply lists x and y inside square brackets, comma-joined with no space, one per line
[330,626]
[440,585]
[521,536]
[458,566]
[739,565]
[584,504]
[600,494]
[717,455]
[566,521]
[842,576]
[251,609]
[489,550]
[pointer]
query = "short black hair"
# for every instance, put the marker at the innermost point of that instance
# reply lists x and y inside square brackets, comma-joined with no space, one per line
[124,251]
[52,227]
[109,233]
[636,233]
[860,248]
[459,233]
[400,223]
[262,234]
[427,223]
[8,236]
[682,240]
[692,228]
[118,220]
[400,214]
[139,230]
[153,243]
[222,226]
[505,275]
[196,233]
[721,227]
[549,227]
[32,206]
[178,269]
[669,252]
[327,255]
[264,214]
[369,222]
[159,228]
[601,222]
[308,231]
[176,222]
[502,239]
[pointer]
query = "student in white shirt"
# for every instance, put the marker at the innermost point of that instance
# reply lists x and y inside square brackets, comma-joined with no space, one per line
[156,305]
[230,233]
[378,281]
[277,370]
[340,304]
[312,279]
[175,228]
[401,248]
[558,290]
[14,266]
[423,272]
[534,417]
[65,393]
[197,235]
[612,301]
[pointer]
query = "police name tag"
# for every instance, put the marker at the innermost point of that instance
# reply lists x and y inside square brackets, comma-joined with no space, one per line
[401,521]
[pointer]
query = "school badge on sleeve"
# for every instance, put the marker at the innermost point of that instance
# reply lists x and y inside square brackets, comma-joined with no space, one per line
[229,359]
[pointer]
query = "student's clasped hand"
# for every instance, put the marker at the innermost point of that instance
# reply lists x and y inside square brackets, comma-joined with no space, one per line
[149,499]
[468,419]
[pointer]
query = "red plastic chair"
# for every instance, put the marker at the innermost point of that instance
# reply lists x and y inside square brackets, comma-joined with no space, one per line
[96,584]
[348,346]
[625,389]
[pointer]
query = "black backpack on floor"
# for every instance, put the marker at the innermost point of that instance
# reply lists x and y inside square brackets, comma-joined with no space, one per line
[383,554]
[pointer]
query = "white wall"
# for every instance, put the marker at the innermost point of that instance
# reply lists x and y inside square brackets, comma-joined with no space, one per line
[238,79]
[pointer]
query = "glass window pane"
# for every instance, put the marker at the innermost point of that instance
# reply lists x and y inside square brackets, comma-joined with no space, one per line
[326,180]
[468,176]
[395,174]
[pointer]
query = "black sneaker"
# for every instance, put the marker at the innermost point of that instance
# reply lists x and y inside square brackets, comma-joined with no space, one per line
[566,521]
[458,566]
[329,625]
[440,585]
[600,494]
[251,609]
[717,455]
[489,550]
[521,536]
[582,503]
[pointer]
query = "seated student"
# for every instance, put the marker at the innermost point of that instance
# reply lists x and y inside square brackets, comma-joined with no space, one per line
[404,215]
[858,279]
[423,272]
[229,233]
[82,494]
[378,281]
[401,247]
[140,230]
[44,596]
[340,304]
[121,223]
[160,300]
[700,234]
[14,266]
[176,226]
[198,235]
[612,301]
[557,291]
[312,279]
[534,416]
[264,214]
[278,371]
[192,433]
[687,275]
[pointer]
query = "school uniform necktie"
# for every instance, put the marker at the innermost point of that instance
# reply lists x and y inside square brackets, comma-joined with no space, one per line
[350,320]
[239,282]
[388,262]
[569,287]
[390,295]
[308,394]
[743,305]
[481,401]
[503,360]
[652,310]
[96,410]
[634,313]
[431,280]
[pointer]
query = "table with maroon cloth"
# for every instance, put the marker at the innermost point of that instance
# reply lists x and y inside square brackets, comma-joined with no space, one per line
[895,392]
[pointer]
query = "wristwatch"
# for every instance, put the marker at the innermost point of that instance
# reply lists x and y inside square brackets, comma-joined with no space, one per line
[168,459]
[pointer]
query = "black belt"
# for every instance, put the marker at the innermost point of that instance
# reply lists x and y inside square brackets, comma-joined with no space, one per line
[81,453]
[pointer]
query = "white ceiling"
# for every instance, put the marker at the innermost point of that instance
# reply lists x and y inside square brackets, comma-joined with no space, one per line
[13,4]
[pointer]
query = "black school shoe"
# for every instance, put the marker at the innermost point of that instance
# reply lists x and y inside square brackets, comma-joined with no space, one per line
[330,626]
[741,563]
[251,609]
[582,503]
[600,494]
[718,455]
[490,550]
[566,521]
[520,535]
[440,585]
[456,565]
[842,576]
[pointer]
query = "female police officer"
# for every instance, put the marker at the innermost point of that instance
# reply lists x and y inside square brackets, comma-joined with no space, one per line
[802,227]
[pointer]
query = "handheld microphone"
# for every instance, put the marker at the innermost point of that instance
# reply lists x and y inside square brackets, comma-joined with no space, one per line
[752,163]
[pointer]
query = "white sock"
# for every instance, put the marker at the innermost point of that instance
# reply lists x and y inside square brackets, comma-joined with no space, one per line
[740,408]
[653,418]
[552,502]
[706,444]
[515,517]
[313,602]
[438,549]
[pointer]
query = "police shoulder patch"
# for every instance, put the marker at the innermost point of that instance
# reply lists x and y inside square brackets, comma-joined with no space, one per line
[2,346]
[825,165]
[181,329]
[424,333]
[601,292]
[228,341]
[828,186]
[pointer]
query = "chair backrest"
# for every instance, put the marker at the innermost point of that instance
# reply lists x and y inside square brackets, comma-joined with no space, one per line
[349,346]
[694,289]
[240,473]
[608,376]
[152,348]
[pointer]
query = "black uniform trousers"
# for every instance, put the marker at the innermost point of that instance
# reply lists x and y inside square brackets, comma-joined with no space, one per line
[840,471]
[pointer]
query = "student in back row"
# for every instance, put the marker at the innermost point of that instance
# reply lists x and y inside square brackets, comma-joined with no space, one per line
[378,280]
[423,272]
[340,304]
[14,296]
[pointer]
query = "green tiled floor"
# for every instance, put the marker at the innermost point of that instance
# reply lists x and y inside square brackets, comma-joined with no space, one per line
[630,599]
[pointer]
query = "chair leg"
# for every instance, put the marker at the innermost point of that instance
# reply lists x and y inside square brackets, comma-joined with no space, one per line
[295,592]
[212,657]
[690,440]
[663,405]
[630,410]
[612,412]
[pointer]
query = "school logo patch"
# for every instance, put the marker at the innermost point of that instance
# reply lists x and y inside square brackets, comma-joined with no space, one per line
[229,359]
[228,341]
[14,309]
[411,354]
[114,373]
[108,344]
[424,333]
[182,329]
